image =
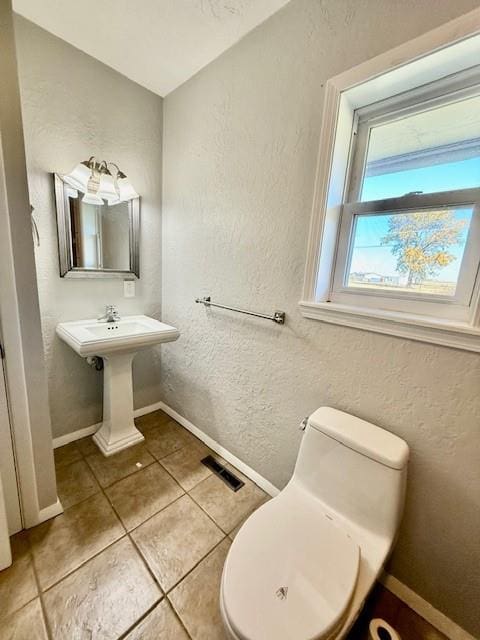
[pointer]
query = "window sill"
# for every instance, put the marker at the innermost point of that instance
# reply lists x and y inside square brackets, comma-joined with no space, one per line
[403,325]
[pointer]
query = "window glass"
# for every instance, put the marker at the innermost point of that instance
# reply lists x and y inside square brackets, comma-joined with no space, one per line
[430,151]
[413,252]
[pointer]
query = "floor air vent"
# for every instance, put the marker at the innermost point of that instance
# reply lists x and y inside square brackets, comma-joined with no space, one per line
[223,473]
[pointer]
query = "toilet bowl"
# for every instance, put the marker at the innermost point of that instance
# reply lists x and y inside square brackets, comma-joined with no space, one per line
[302,565]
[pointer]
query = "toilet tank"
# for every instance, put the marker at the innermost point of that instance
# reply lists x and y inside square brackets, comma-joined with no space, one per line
[355,468]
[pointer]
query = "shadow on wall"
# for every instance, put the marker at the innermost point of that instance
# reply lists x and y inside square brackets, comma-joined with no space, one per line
[75,391]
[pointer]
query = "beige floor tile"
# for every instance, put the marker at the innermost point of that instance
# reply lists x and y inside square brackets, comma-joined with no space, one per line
[86,446]
[75,482]
[66,455]
[120,465]
[167,438]
[228,508]
[154,419]
[186,465]
[102,599]
[64,543]
[160,624]
[25,624]
[196,598]
[175,540]
[234,532]
[17,583]
[142,494]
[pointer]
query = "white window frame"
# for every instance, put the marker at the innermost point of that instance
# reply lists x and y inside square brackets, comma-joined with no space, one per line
[436,56]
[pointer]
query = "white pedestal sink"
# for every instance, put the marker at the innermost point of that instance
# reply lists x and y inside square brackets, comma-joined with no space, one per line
[117,343]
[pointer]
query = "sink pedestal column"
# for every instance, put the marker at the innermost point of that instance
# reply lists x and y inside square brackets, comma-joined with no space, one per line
[118,430]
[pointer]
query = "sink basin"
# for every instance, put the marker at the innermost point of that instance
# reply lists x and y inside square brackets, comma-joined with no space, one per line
[94,338]
[117,343]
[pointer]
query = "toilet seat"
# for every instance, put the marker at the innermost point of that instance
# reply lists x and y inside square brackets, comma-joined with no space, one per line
[290,574]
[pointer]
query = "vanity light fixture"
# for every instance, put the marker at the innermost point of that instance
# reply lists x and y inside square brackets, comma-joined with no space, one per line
[96,181]
[92,198]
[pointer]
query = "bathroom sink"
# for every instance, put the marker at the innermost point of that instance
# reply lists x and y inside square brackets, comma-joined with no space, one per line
[116,343]
[94,338]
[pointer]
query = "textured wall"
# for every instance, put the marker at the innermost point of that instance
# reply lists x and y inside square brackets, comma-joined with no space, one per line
[239,158]
[74,107]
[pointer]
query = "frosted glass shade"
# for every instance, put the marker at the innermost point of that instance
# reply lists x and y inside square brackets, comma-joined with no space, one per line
[92,198]
[79,177]
[125,190]
[106,189]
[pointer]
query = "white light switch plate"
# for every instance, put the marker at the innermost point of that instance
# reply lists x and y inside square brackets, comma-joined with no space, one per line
[129,288]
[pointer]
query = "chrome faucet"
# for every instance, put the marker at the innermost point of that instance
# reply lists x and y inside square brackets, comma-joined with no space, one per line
[111,314]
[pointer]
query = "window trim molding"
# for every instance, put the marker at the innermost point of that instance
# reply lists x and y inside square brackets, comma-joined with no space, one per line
[395,323]
[343,94]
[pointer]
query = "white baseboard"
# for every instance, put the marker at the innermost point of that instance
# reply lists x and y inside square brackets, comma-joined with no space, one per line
[423,608]
[255,477]
[75,435]
[148,409]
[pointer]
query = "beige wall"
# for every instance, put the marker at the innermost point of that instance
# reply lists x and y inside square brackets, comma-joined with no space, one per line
[239,159]
[74,107]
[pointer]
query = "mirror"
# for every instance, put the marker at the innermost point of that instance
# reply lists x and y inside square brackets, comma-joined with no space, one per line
[96,240]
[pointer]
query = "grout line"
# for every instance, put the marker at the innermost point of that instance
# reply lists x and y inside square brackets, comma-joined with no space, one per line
[215,546]
[95,555]
[156,513]
[40,592]
[177,614]
[136,470]
[92,495]
[147,566]
[207,514]
[182,624]
[195,565]
[132,542]
[110,544]
[4,616]
[248,514]
[141,618]
[99,488]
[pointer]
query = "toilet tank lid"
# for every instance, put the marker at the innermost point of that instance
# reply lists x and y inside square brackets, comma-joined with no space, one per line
[362,436]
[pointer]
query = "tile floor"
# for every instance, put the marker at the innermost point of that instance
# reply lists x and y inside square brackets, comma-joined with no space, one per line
[139,550]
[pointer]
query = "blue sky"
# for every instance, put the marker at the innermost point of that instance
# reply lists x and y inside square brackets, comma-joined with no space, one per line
[440,177]
[368,254]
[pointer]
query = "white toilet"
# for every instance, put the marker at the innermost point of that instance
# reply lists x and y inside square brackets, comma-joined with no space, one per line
[302,565]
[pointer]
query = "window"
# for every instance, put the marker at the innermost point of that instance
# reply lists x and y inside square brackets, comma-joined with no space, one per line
[395,238]
[408,230]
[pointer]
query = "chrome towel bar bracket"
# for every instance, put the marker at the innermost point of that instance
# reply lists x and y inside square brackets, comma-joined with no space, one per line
[278,316]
